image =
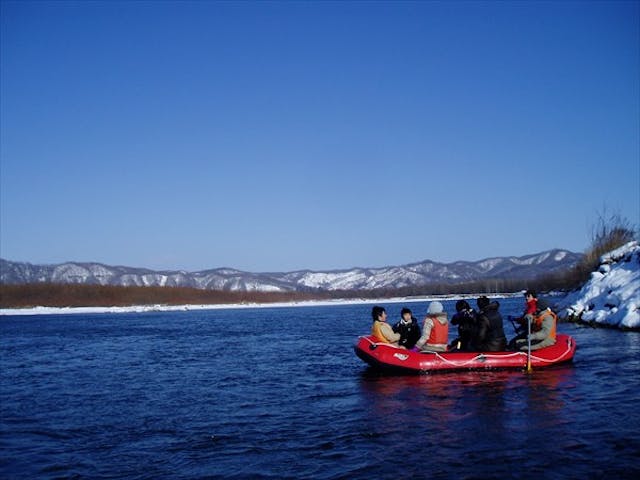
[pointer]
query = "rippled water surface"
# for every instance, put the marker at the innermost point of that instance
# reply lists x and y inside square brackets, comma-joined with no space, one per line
[278,393]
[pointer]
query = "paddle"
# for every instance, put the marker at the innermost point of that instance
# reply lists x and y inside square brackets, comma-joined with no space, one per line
[529,369]
[516,328]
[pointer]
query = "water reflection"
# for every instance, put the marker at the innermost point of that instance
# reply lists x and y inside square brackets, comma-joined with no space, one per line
[452,406]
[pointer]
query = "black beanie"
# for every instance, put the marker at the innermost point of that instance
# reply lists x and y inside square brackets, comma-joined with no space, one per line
[462,305]
[542,304]
[483,302]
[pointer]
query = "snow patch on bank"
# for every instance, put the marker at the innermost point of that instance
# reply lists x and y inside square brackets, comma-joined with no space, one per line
[612,295]
[186,308]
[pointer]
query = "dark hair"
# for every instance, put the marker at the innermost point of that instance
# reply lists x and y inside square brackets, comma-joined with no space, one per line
[483,302]
[532,293]
[403,311]
[376,312]
[542,305]
[462,305]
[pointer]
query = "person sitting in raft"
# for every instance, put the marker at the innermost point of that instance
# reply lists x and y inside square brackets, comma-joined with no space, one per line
[435,330]
[381,329]
[489,335]
[530,308]
[543,329]
[466,320]
[408,329]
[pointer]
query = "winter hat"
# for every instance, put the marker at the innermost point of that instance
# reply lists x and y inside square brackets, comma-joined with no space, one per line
[462,305]
[435,308]
[542,304]
[482,302]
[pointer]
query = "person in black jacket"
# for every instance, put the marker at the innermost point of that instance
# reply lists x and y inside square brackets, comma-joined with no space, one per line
[465,319]
[490,335]
[408,329]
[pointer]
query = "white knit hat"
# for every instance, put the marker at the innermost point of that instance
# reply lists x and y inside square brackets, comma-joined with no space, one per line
[435,308]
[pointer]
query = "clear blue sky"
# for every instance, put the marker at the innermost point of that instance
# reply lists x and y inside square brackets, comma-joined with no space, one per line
[274,136]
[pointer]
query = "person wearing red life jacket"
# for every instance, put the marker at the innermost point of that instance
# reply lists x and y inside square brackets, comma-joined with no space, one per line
[530,308]
[381,329]
[435,330]
[531,302]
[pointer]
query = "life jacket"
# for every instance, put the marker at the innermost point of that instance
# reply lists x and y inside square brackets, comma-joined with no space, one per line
[536,326]
[531,307]
[439,333]
[376,331]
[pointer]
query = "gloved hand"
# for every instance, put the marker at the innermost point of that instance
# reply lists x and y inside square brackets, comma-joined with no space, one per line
[415,349]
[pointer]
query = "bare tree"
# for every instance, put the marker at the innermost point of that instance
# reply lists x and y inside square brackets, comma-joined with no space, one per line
[610,231]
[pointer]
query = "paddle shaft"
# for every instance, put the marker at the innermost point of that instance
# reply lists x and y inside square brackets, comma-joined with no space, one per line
[513,324]
[529,370]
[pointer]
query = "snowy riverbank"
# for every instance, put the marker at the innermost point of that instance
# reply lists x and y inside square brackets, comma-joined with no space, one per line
[612,296]
[186,308]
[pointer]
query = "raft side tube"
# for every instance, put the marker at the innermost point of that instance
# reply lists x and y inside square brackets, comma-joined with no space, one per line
[386,357]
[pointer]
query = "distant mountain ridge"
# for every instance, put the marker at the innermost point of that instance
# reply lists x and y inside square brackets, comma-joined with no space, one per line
[414,274]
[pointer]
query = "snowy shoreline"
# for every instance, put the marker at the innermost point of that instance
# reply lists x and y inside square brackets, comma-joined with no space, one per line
[611,298]
[233,306]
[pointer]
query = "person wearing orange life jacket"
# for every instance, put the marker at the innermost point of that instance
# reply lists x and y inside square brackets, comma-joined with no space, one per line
[381,329]
[543,329]
[435,330]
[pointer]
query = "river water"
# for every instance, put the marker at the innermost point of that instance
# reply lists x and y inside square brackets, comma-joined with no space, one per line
[278,393]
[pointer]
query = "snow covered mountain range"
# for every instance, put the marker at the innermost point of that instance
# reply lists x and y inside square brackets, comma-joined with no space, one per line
[414,274]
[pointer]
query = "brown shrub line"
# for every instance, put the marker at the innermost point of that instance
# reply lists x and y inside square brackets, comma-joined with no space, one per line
[76,295]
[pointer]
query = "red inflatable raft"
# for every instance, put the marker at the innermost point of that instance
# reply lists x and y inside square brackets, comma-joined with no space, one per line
[393,359]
